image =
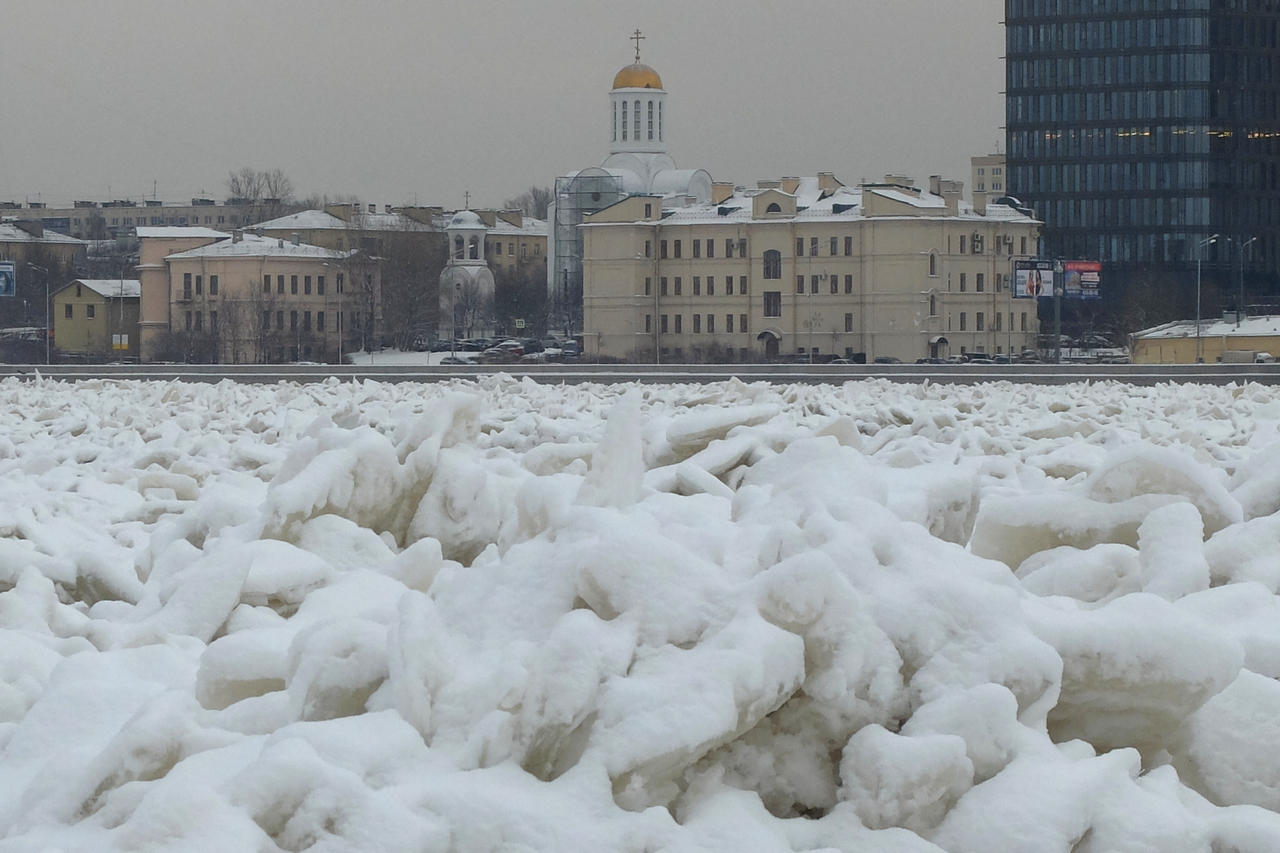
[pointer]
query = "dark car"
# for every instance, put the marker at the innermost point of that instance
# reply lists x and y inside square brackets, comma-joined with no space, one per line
[571,348]
[887,359]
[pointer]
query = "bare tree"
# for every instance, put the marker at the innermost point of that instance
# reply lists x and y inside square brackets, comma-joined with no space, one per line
[269,193]
[533,201]
[246,184]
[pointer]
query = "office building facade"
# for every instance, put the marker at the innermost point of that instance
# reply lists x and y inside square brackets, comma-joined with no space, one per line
[1138,129]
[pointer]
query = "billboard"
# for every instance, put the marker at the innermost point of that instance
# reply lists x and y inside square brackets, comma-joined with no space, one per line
[1032,279]
[1081,279]
[6,278]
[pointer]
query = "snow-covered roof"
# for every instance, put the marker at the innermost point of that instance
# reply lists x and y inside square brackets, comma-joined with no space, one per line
[111,288]
[11,233]
[318,220]
[843,204]
[468,220]
[530,227]
[175,232]
[254,246]
[1249,327]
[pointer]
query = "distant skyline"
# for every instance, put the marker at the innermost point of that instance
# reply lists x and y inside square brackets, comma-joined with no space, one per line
[403,102]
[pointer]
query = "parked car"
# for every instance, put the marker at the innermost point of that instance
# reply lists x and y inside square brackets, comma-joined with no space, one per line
[571,349]
[887,359]
[457,359]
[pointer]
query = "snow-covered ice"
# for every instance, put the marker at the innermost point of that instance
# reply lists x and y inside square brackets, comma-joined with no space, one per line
[499,616]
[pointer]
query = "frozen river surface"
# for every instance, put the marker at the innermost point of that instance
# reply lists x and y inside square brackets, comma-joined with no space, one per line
[498,616]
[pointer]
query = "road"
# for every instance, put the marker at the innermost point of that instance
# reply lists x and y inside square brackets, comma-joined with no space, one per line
[572,374]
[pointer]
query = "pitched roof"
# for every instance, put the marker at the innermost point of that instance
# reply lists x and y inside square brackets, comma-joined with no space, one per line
[178,231]
[254,246]
[111,288]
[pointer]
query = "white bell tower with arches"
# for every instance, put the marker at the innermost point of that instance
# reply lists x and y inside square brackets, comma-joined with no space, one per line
[638,102]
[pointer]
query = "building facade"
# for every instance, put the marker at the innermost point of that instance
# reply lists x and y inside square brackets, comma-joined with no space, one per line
[97,319]
[807,268]
[239,298]
[108,220]
[1137,131]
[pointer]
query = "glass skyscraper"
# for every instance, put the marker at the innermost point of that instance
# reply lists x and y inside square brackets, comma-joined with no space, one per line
[1139,128]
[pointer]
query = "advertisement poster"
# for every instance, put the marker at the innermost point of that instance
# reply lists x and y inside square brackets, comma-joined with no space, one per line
[1033,279]
[6,278]
[1081,279]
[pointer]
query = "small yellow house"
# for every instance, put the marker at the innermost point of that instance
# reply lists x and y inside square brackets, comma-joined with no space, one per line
[97,319]
[1177,342]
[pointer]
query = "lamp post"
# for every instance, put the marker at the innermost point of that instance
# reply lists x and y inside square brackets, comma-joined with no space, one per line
[47,327]
[1199,258]
[1240,302]
[1058,284]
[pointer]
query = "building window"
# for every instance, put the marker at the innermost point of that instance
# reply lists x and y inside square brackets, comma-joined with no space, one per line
[980,282]
[279,321]
[675,249]
[306,285]
[1024,321]
[648,211]
[711,285]
[773,302]
[813,246]
[648,247]
[728,285]
[848,284]
[648,324]
[962,245]
[679,288]
[319,321]
[933,305]
[662,285]
[662,324]
[963,282]
[293,285]
[199,321]
[266,321]
[266,284]
[742,247]
[742,318]
[662,249]
[280,284]
[980,322]
[772,264]
[213,322]
[624,121]
[186,285]
[648,286]
[320,285]
[813,284]
[306,321]
[1024,246]
[199,285]
[697,248]
[697,285]
[293,321]
[339,285]
[728,323]
[999,318]
[964,321]
[679,324]
[933,264]
[711,324]
[188,319]
[697,324]
[799,247]
[711,248]
[835,284]
[799,284]
[213,285]
[848,246]
[848,322]
[651,119]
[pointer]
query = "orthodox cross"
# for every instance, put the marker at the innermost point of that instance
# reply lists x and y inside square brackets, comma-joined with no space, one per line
[637,38]
[467,197]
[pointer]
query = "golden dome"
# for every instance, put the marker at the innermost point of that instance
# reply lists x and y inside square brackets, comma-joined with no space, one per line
[637,77]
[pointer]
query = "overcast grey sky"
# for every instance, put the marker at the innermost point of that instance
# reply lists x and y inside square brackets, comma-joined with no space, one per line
[404,101]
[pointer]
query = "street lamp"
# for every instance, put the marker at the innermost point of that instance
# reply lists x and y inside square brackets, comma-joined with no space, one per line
[1199,258]
[46,309]
[1240,304]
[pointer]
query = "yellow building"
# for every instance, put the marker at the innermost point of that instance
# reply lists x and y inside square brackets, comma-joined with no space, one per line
[25,240]
[155,244]
[1177,343]
[97,319]
[806,267]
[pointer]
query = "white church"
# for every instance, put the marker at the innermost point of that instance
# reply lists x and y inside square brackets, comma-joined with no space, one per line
[638,164]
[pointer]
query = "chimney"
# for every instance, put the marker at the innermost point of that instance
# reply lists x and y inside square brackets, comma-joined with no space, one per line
[790,185]
[373,208]
[387,208]
[237,235]
[295,239]
[720,191]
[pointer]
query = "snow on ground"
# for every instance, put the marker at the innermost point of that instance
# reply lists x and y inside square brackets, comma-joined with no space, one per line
[498,616]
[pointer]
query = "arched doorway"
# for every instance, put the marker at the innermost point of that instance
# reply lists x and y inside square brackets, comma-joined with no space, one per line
[772,342]
[938,347]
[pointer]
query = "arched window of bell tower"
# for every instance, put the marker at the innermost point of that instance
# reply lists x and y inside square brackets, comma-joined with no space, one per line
[475,248]
[651,119]
[457,248]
